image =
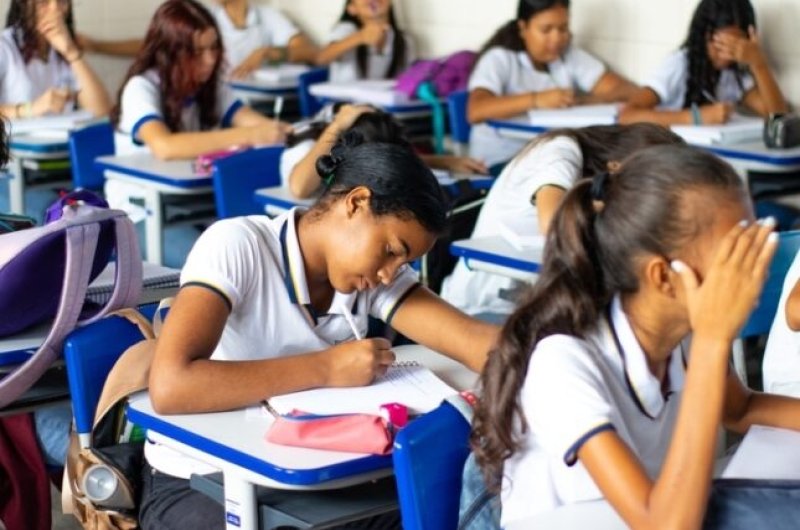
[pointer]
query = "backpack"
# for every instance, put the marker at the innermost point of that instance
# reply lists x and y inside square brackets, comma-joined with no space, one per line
[44,273]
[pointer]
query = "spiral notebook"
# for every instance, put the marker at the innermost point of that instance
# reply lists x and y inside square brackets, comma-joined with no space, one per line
[154,277]
[407,382]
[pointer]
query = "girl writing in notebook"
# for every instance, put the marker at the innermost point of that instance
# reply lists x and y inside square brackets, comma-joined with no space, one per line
[628,330]
[174,101]
[299,158]
[530,63]
[720,65]
[527,193]
[367,43]
[43,69]
[273,295]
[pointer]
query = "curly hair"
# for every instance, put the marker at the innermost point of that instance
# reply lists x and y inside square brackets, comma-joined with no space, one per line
[22,18]
[710,16]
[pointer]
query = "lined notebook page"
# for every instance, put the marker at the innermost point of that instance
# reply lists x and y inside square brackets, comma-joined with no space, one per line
[409,383]
[153,277]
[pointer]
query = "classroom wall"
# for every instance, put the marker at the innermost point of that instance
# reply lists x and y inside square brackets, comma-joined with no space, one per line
[630,35]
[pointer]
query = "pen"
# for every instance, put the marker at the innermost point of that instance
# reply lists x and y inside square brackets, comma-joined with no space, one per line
[708,96]
[349,317]
[267,407]
[278,108]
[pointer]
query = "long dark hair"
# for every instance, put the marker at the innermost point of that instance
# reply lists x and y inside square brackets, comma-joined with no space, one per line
[169,50]
[3,143]
[401,183]
[709,16]
[22,17]
[601,144]
[661,198]
[508,36]
[399,52]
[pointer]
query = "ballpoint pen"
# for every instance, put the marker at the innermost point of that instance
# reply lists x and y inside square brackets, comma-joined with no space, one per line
[349,317]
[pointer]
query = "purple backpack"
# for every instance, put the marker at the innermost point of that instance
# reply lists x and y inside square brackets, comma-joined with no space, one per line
[44,273]
[447,75]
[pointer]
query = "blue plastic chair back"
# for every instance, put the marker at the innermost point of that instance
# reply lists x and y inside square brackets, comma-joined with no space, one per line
[457,110]
[90,353]
[310,105]
[429,455]
[760,320]
[85,145]
[237,177]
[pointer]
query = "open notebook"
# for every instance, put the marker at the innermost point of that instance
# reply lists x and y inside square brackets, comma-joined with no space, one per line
[153,277]
[409,383]
[280,74]
[737,130]
[766,453]
[577,116]
[378,92]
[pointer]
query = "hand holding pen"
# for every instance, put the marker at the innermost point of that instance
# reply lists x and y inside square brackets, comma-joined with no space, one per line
[556,98]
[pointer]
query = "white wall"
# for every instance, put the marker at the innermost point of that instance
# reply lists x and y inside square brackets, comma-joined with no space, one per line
[630,35]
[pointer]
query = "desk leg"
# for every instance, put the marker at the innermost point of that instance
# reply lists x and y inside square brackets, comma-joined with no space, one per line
[241,510]
[154,226]
[16,187]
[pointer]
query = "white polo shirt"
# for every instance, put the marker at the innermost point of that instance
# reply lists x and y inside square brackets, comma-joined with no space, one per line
[504,72]
[575,389]
[556,162]
[141,102]
[781,367]
[345,67]
[669,82]
[21,82]
[264,26]
[256,265]
[291,156]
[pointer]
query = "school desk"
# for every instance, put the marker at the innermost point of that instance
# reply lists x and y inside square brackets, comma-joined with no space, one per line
[234,443]
[35,143]
[495,255]
[156,179]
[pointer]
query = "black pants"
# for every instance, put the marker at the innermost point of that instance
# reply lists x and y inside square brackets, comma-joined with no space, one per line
[169,503]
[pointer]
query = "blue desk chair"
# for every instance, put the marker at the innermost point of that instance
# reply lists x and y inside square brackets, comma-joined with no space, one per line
[429,455]
[85,145]
[90,353]
[459,126]
[310,105]
[237,177]
[761,318]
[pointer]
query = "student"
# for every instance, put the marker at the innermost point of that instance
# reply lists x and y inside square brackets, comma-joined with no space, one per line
[628,330]
[298,160]
[271,294]
[528,192]
[530,63]
[781,365]
[255,35]
[720,65]
[116,48]
[367,43]
[173,100]
[43,70]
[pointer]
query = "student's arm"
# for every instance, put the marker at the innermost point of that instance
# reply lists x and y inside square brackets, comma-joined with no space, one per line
[793,308]
[119,48]
[677,497]
[304,180]
[245,116]
[641,108]
[745,408]
[609,88]
[485,105]
[456,164]
[301,49]
[548,198]
[183,378]
[427,319]
[372,34]
[766,97]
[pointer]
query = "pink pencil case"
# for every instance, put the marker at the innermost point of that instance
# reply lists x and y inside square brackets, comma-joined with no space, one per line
[203,163]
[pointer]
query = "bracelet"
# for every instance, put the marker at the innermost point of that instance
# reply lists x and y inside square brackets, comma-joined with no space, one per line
[697,119]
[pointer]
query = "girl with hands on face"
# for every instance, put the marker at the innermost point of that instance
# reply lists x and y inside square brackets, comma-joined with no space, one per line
[44,70]
[264,303]
[720,65]
[612,379]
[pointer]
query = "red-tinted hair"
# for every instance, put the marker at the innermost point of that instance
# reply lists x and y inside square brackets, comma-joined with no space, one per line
[22,18]
[169,50]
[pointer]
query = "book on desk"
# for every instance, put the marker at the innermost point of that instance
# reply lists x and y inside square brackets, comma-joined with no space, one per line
[379,92]
[738,129]
[280,74]
[577,116]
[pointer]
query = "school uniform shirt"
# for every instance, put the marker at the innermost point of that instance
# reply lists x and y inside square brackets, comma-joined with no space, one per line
[574,390]
[264,26]
[669,82]
[505,72]
[781,366]
[291,156]
[255,264]
[556,162]
[345,67]
[24,83]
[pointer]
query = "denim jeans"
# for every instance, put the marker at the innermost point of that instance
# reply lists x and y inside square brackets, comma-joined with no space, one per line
[743,504]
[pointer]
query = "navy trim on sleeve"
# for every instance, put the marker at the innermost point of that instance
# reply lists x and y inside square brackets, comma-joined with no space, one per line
[571,456]
[138,125]
[210,288]
[227,119]
[400,300]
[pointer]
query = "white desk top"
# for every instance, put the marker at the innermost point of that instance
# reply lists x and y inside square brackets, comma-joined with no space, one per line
[496,255]
[278,199]
[236,438]
[64,122]
[145,166]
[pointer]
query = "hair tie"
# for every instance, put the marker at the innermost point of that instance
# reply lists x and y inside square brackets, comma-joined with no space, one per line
[328,179]
[599,182]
